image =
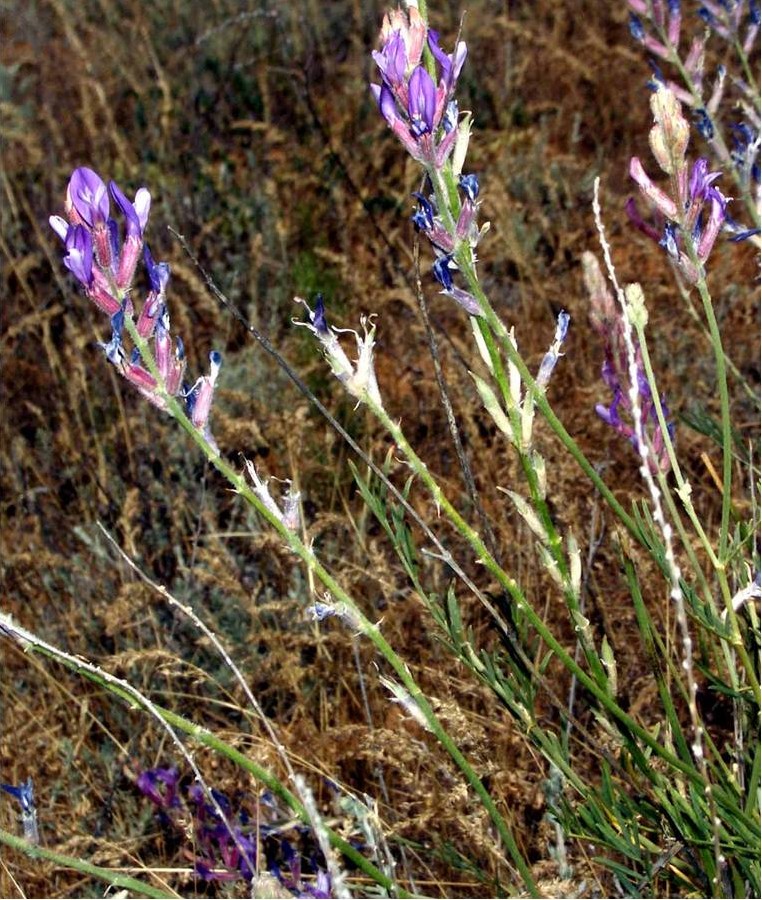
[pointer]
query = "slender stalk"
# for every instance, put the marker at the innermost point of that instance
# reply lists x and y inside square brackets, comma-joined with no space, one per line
[510,585]
[722,387]
[368,628]
[109,876]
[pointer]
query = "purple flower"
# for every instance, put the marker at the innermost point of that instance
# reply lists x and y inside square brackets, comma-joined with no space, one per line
[701,180]
[88,195]
[392,60]
[79,254]
[114,349]
[160,786]
[449,65]
[704,124]
[24,793]
[422,102]
[441,270]
[135,214]
[450,118]
[636,28]
[469,184]
[386,103]
[318,316]
[423,217]
[199,399]
[550,359]
[158,273]
[669,240]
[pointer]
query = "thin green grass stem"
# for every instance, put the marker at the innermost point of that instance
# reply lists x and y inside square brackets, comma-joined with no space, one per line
[109,876]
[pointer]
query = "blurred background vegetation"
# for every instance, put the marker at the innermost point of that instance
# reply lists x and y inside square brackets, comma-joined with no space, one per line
[252,125]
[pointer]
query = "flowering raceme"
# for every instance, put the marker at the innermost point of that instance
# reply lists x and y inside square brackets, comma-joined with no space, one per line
[105,267]
[416,107]
[416,97]
[685,207]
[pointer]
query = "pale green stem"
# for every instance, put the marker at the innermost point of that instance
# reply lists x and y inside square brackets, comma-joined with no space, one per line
[683,488]
[511,587]
[718,561]
[722,388]
[465,262]
[80,865]
[368,628]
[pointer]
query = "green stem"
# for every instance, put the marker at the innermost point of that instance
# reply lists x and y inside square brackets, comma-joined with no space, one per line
[510,585]
[722,385]
[80,865]
[368,628]
[465,262]
[683,491]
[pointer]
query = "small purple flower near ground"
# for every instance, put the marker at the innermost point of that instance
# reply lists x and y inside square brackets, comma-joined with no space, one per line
[216,852]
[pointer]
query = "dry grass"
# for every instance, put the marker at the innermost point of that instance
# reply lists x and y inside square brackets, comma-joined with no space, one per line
[252,125]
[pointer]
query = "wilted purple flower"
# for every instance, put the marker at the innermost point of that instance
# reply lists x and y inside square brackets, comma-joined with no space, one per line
[160,786]
[469,184]
[199,398]
[703,124]
[606,318]
[318,316]
[427,221]
[441,270]
[450,118]
[669,241]
[423,217]
[554,353]
[636,28]
[358,377]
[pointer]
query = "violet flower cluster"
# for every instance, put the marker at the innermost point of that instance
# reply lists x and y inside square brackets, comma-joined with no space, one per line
[217,853]
[416,97]
[694,210]
[606,319]
[659,26]
[104,263]
[419,110]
